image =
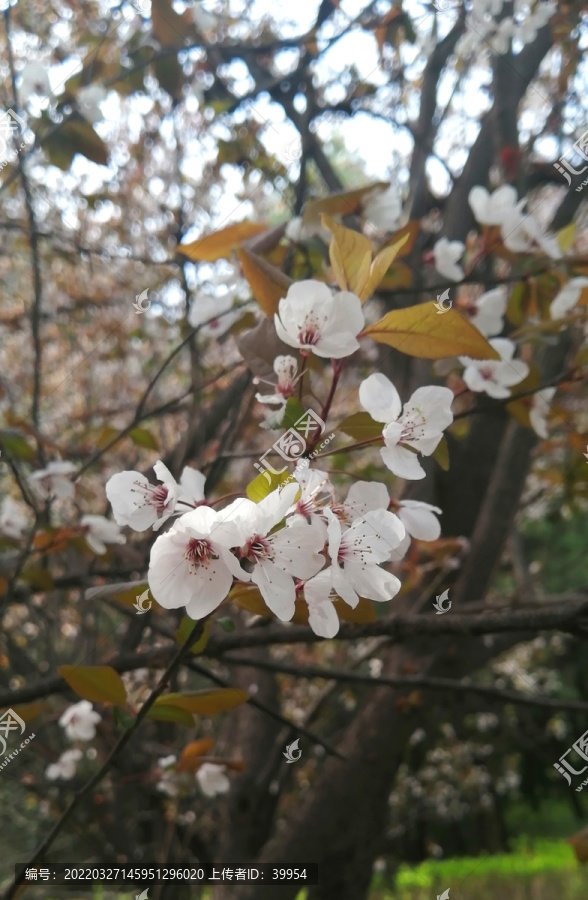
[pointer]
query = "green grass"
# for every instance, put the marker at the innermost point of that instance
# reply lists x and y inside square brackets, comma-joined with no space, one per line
[541,870]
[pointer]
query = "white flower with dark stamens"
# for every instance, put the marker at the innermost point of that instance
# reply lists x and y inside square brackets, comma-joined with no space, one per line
[79,721]
[271,561]
[539,406]
[362,497]
[420,425]
[567,297]
[285,368]
[314,320]
[487,311]
[99,531]
[191,564]
[139,504]
[357,552]
[53,481]
[316,492]
[495,377]
[212,779]
[446,254]
[319,596]
[65,767]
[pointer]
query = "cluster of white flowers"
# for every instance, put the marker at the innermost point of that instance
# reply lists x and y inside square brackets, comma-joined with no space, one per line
[79,723]
[211,778]
[483,25]
[520,230]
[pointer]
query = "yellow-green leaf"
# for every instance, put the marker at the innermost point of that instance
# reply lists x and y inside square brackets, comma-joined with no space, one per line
[267,283]
[143,438]
[380,266]
[421,331]
[221,243]
[441,454]
[411,230]
[27,711]
[191,758]
[100,684]
[566,237]
[162,713]
[350,254]
[204,703]
[248,597]
[183,633]
[266,482]
[361,426]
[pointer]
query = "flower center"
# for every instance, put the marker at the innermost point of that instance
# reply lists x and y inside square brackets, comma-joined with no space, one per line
[257,549]
[309,332]
[153,495]
[199,553]
[413,426]
[487,373]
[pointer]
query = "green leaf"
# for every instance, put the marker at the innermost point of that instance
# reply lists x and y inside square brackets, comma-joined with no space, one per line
[100,684]
[16,445]
[226,623]
[294,410]
[204,703]
[361,426]
[143,438]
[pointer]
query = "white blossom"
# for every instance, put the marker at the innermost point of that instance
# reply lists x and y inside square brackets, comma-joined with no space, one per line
[362,497]
[492,209]
[212,779]
[419,426]
[99,531]
[89,99]
[314,320]
[53,481]
[139,504]
[495,377]
[319,595]
[271,561]
[567,297]
[79,721]
[487,311]
[213,315]
[34,79]
[65,767]
[538,410]
[356,554]
[447,253]
[191,564]
[383,208]
[13,518]
[285,368]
